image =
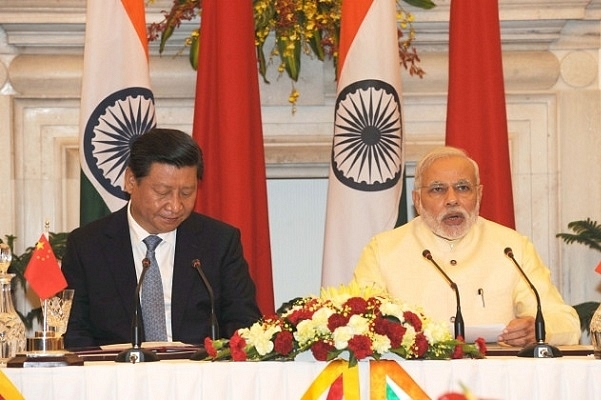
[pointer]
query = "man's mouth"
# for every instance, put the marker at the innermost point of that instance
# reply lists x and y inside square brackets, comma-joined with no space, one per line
[453,219]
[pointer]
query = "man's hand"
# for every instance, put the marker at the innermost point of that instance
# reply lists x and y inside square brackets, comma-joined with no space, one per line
[518,332]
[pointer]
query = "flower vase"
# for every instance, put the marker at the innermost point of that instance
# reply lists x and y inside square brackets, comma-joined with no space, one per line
[12,329]
[595,329]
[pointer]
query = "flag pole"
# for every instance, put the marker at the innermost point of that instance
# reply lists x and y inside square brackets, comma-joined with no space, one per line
[45,301]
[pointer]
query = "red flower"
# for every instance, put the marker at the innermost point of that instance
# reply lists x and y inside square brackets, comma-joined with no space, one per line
[458,351]
[374,303]
[395,333]
[413,319]
[381,326]
[336,321]
[360,345]
[481,343]
[237,346]
[210,348]
[421,344]
[283,343]
[299,315]
[320,350]
[356,305]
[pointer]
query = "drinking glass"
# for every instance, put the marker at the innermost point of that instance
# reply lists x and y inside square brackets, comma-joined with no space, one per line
[57,309]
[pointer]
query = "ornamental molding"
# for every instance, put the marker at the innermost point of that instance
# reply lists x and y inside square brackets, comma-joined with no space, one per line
[30,26]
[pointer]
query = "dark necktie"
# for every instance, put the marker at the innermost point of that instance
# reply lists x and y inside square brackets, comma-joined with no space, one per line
[153,301]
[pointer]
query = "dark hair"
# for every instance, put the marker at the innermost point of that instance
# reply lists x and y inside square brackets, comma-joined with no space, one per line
[165,146]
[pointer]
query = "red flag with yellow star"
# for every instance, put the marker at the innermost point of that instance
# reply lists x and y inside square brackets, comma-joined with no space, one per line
[43,272]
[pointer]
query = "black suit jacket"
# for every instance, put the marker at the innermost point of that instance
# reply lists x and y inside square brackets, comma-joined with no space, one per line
[99,265]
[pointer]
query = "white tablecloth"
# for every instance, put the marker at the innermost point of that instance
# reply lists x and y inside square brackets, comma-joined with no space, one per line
[493,378]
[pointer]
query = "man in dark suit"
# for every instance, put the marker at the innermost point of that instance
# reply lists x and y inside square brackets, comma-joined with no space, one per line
[103,260]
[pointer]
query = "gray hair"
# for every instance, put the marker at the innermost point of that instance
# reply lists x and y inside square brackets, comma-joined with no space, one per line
[437,154]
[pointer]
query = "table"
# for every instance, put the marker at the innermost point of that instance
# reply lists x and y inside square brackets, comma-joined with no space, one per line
[505,377]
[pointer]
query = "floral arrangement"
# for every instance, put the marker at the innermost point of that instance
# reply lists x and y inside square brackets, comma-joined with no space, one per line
[363,322]
[300,26]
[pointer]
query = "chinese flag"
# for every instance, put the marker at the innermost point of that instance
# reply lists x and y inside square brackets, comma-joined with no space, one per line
[476,115]
[228,128]
[43,272]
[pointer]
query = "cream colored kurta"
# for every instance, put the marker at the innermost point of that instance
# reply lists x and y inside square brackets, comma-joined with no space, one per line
[491,287]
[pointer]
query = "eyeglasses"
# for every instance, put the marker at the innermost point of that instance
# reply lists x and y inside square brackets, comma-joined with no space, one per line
[461,188]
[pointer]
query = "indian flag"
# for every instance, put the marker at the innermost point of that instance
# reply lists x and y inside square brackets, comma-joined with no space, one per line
[117,104]
[366,170]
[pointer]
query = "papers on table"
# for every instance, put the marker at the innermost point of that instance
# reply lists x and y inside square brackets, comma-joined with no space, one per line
[145,345]
[489,333]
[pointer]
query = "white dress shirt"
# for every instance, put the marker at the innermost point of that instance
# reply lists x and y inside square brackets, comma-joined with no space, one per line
[164,254]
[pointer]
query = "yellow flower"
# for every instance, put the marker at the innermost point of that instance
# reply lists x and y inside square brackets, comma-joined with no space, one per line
[343,292]
[310,25]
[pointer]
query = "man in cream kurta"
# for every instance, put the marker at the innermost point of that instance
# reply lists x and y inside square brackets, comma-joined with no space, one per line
[470,249]
[491,287]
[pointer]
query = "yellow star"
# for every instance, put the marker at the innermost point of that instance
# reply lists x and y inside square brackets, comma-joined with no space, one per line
[39,245]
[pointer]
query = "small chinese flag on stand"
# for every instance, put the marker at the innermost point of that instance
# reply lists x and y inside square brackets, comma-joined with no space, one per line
[43,272]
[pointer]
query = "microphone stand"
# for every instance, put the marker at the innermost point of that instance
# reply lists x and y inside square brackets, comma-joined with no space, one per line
[201,354]
[136,353]
[540,349]
[458,322]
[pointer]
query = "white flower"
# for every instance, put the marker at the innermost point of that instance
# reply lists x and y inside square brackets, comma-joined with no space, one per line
[320,320]
[305,331]
[259,336]
[436,331]
[341,336]
[359,324]
[380,343]
[409,337]
[392,309]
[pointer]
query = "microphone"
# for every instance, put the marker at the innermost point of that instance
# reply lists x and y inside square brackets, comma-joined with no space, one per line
[458,322]
[540,349]
[201,354]
[136,354]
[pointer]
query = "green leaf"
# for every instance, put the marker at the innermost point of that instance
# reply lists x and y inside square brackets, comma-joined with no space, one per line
[587,232]
[291,62]
[425,4]
[166,35]
[194,50]
[315,44]
[262,63]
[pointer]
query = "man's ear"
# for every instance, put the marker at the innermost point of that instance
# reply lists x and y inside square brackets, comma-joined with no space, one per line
[129,180]
[417,200]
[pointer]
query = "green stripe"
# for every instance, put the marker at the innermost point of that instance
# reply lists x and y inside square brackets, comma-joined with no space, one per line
[91,206]
[402,217]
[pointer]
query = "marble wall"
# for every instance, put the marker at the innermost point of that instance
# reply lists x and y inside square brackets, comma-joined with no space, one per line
[551,52]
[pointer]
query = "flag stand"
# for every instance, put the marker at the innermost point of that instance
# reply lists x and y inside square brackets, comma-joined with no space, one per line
[45,349]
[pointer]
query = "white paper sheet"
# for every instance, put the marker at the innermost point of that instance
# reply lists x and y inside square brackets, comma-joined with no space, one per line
[489,333]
